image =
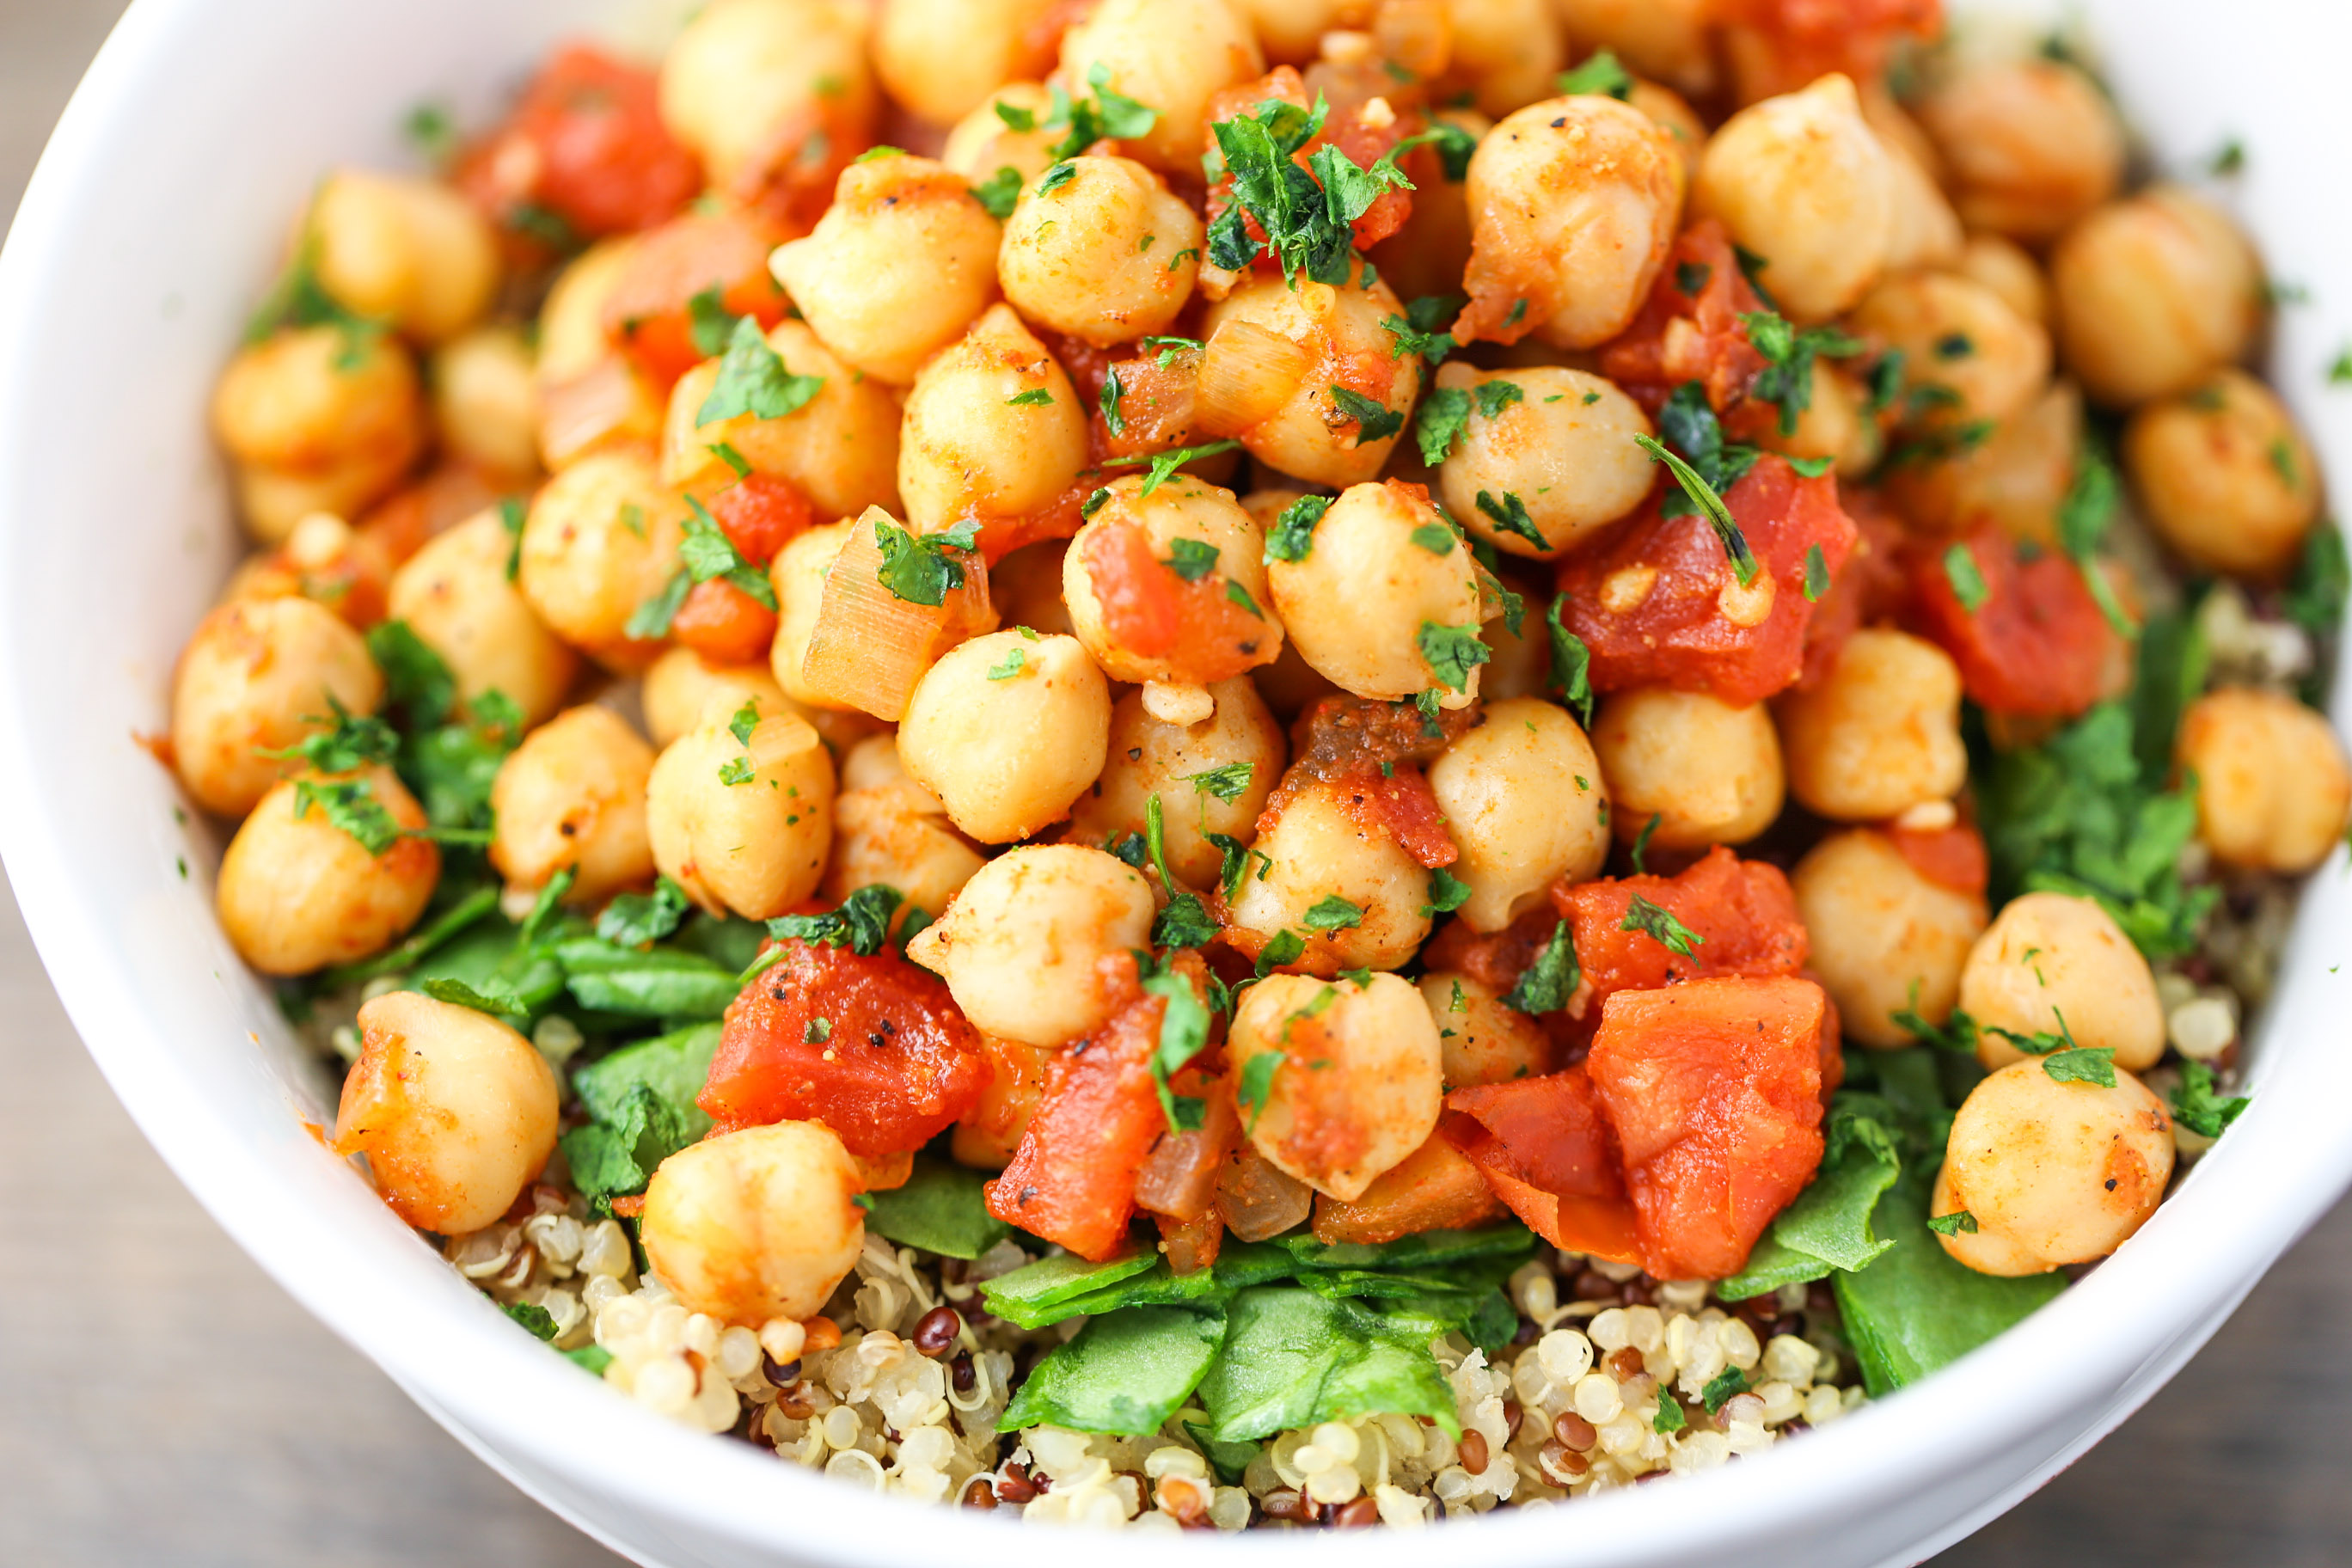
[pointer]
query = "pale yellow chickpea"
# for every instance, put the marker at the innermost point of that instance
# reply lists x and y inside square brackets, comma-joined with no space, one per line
[942,59]
[1926,231]
[2153,294]
[601,538]
[1107,255]
[1291,31]
[1319,850]
[1025,587]
[297,893]
[1007,745]
[2016,478]
[455,596]
[2052,1172]
[1804,182]
[888,828]
[1482,1040]
[840,449]
[1360,1083]
[2004,267]
[2028,145]
[1880,733]
[1357,602]
[1574,203]
[1885,939]
[1022,945]
[968,450]
[571,337]
[1171,56]
[1836,423]
[901,263]
[743,826]
[455,1110]
[1180,509]
[744,72]
[573,794]
[1275,353]
[1564,446]
[1710,773]
[1148,757]
[2224,477]
[1668,39]
[757,1225]
[486,401]
[257,677]
[798,574]
[316,419]
[2273,788]
[1960,336]
[683,689]
[2048,955]
[589,394]
[983,141]
[1520,665]
[1523,797]
[405,249]
[1505,52]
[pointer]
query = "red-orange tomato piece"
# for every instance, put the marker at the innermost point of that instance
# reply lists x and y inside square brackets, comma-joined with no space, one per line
[724,623]
[1547,1151]
[1864,591]
[760,515]
[1436,1187]
[1741,915]
[718,258]
[1689,327]
[1364,138]
[1714,1089]
[2036,646]
[871,1046]
[1150,610]
[1951,857]
[586,143]
[1658,603]
[1779,45]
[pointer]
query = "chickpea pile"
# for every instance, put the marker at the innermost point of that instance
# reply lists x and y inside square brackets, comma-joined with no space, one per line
[799,511]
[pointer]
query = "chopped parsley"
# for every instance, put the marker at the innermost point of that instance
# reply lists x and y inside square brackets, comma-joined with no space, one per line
[752,380]
[1511,516]
[1723,1388]
[1545,985]
[1057,176]
[1704,466]
[1600,76]
[1670,1417]
[2196,1107]
[1000,191]
[1787,379]
[1035,397]
[1190,559]
[1692,277]
[816,1031]
[1240,596]
[710,322]
[709,554]
[1186,922]
[1452,653]
[1170,347]
[1164,463]
[1375,420]
[1286,947]
[1444,414]
[1493,396]
[1572,665]
[1114,420]
[352,805]
[1435,537]
[1968,582]
[1292,535]
[1640,853]
[922,570]
[1447,892]
[861,922]
[2084,515]
[739,770]
[1183,1035]
[1227,782]
[1960,1222]
[2316,594]
[2084,1064]
[633,920]
[1418,331]
[1009,666]
[1102,115]
[1817,574]
[1660,926]
[1256,1085]
[1332,912]
[350,741]
[1304,212]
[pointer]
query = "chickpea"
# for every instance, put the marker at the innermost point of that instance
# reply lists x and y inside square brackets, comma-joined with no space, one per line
[942,59]
[1506,52]
[601,538]
[2272,789]
[1803,181]
[316,419]
[1925,230]
[1563,447]
[590,395]
[1025,588]
[1880,733]
[298,893]
[1319,852]
[2153,295]
[455,596]
[2018,479]
[2048,955]
[744,72]
[757,1225]
[1182,509]
[900,266]
[1524,798]
[1957,334]
[889,829]
[2052,1172]
[1520,665]
[1481,1040]
[1710,773]
[1357,602]
[1172,56]
[968,449]
[1291,31]
[2003,266]
[2029,145]
[840,449]
[1836,424]
[485,402]
[981,142]
[454,1109]
[1573,206]
[1276,353]
[1360,1083]
[743,824]
[404,248]
[1007,754]
[1150,758]
[1666,39]
[570,336]
[1107,256]
[683,689]
[1885,938]
[257,677]
[798,574]
[1021,946]
[573,793]
[2224,477]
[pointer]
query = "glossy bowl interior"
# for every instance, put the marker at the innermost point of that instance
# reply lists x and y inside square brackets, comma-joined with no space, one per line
[155,221]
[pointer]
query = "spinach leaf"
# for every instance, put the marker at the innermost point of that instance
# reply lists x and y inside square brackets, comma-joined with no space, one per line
[1431,1247]
[672,1066]
[1128,1371]
[660,983]
[1293,1358]
[490,957]
[1121,1284]
[1828,1227]
[941,1209]
[616,1156]
[1029,1295]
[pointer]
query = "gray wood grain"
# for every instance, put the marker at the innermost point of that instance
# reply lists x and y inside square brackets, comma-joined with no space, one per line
[166,1405]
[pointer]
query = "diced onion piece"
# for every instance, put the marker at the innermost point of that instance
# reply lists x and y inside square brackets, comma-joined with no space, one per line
[610,402]
[1256,1199]
[1246,374]
[870,646]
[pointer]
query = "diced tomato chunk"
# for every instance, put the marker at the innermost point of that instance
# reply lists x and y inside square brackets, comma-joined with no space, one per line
[1658,603]
[1689,327]
[1780,46]
[1496,959]
[1191,1245]
[1435,1188]
[1365,136]
[720,259]
[1741,915]
[760,515]
[1867,589]
[2037,644]
[871,1047]
[724,623]
[1547,1149]
[586,143]
[1712,1089]
[1950,857]
[1150,609]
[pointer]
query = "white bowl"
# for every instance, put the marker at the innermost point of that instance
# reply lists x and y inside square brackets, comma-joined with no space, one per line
[153,222]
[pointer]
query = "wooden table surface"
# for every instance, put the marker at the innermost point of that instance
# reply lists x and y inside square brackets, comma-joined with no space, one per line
[162,1404]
